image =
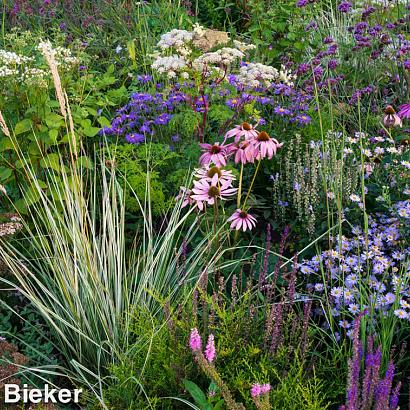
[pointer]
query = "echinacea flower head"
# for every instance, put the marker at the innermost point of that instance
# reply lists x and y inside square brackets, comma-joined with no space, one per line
[245,152]
[210,191]
[391,119]
[185,194]
[242,220]
[195,342]
[208,173]
[404,111]
[266,145]
[210,352]
[215,154]
[245,130]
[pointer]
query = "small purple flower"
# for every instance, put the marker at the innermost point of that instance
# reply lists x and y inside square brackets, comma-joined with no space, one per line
[344,6]
[332,64]
[145,78]
[135,138]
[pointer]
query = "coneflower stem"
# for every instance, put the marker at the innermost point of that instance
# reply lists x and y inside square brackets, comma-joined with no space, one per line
[251,186]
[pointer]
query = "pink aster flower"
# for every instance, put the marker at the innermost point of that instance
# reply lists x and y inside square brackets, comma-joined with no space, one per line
[208,173]
[245,152]
[195,342]
[244,130]
[391,119]
[404,112]
[265,388]
[241,219]
[215,154]
[266,145]
[256,390]
[210,352]
[209,191]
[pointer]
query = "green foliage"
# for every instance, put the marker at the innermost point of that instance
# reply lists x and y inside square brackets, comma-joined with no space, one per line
[148,170]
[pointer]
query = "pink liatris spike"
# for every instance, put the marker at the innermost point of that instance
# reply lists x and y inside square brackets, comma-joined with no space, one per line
[210,352]
[195,342]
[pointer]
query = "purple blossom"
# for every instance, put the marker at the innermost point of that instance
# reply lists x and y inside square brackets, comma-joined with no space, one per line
[344,6]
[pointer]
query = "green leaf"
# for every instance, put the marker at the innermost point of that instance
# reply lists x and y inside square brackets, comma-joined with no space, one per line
[84,162]
[5,173]
[53,134]
[22,126]
[5,144]
[197,394]
[51,161]
[54,120]
[218,406]
[104,122]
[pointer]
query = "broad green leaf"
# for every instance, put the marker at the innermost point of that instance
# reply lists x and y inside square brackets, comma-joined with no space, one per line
[51,161]
[5,144]
[54,120]
[53,134]
[5,173]
[22,126]
[84,162]
[104,122]
[197,394]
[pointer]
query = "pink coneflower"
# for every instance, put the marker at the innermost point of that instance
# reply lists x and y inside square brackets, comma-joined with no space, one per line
[210,352]
[241,219]
[205,191]
[195,342]
[266,145]
[185,193]
[245,152]
[215,154]
[208,173]
[391,119]
[245,130]
[404,112]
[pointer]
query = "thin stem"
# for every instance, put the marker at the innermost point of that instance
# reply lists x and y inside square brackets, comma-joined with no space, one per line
[251,186]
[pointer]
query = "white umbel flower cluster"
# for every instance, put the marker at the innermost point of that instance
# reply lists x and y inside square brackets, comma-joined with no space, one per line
[169,65]
[258,75]
[10,63]
[175,38]
[10,58]
[217,59]
[243,46]
[62,56]
[35,76]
